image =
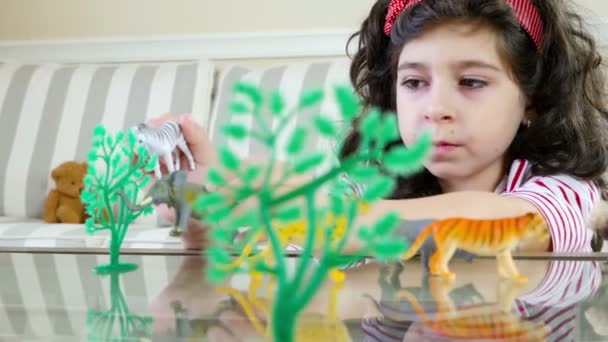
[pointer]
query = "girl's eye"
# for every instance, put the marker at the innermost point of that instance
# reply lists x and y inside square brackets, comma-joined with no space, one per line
[413,83]
[472,83]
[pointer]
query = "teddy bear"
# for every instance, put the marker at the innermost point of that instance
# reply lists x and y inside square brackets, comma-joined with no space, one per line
[63,204]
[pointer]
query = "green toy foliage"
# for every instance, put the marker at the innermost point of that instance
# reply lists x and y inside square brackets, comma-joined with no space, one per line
[327,228]
[123,164]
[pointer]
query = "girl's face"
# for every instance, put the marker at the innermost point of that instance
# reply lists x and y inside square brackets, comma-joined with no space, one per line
[452,82]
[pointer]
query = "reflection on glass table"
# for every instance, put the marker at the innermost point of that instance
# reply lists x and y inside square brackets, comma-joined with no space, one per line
[59,297]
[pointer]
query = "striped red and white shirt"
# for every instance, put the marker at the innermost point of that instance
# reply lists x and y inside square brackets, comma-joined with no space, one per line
[564,201]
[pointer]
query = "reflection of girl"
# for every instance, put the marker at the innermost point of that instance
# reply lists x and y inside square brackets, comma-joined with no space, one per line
[553,302]
[595,309]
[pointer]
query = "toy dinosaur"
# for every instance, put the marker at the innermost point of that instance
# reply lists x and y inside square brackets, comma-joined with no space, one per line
[175,191]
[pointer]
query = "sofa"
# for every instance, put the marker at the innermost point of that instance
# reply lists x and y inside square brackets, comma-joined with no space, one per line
[49,109]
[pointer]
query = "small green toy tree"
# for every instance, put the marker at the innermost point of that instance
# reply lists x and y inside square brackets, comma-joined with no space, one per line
[120,171]
[117,323]
[279,212]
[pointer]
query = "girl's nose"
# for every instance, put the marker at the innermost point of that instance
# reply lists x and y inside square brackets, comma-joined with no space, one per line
[438,106]
[438,115]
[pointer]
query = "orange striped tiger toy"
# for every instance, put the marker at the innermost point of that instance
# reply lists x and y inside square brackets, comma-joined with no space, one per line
[481,237]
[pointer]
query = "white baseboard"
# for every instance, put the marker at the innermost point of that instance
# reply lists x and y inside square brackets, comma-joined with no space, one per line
[218,46]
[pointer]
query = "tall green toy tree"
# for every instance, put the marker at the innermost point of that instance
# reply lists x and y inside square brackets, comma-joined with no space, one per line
[281,216]
[116,163]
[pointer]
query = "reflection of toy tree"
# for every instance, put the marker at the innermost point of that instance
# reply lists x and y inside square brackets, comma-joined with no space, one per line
[121,173]
[325,229]
[104,325]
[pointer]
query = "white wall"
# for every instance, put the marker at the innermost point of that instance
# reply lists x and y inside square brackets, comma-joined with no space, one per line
[325,25]
[76,19]
[61,19]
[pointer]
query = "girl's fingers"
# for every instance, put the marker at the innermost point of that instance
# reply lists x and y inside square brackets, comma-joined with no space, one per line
[201,147]
[195,237]
[157,121]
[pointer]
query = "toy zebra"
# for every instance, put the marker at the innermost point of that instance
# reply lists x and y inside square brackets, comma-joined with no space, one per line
[163,141]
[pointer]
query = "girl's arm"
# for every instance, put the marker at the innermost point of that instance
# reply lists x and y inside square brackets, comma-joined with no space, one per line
[470,204]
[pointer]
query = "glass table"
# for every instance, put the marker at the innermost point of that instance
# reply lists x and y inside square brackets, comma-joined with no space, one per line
[53,295]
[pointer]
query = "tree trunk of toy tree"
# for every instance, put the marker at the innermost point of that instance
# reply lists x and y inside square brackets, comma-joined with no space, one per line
[114,254]
[115,264]
[284,319]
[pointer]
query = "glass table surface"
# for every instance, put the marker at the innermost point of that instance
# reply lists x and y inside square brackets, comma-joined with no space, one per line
[56,296]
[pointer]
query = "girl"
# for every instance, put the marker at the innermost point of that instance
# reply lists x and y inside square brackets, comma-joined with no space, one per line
[512,92]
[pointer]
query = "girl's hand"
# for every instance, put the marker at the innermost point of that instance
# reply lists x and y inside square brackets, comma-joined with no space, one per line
[204,155]
[188,287]
[200,145]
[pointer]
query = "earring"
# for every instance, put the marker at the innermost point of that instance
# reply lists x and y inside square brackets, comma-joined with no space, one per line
[527,123]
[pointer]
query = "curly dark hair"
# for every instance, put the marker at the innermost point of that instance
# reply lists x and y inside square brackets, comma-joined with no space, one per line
[562,78]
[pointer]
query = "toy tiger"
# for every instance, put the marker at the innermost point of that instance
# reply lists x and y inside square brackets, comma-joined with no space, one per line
[163,141]
[481,237]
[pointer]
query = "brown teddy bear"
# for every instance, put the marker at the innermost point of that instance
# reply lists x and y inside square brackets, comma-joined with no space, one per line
[63,204]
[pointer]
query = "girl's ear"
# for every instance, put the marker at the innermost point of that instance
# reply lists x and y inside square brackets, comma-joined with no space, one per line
[529,116]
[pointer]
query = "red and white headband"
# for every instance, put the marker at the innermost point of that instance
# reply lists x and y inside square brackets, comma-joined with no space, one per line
[526,13]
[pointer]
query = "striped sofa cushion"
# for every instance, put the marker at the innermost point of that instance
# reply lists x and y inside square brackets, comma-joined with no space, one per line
[48,112]
[292,79]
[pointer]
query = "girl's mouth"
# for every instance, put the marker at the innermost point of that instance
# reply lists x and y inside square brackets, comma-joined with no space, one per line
[442,147]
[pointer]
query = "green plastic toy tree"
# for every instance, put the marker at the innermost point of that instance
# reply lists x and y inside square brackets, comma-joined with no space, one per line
[117,323]
[115,164]
[278,210]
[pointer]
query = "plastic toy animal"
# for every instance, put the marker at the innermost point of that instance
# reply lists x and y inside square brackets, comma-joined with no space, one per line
[323,326]
[487,321]
[187,329]
[295,233]
[174,191]
[412,229]
[163,141]
[481,237]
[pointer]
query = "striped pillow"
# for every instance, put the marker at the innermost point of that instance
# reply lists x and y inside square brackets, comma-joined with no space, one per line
[48,112]
[291,80]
